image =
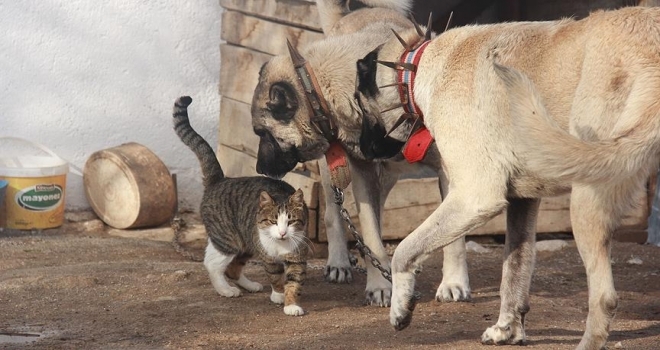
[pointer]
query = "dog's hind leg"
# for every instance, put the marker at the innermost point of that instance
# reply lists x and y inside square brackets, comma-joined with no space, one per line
[519,258]
[596,211]
[455,285]
[464,209]
[338,267]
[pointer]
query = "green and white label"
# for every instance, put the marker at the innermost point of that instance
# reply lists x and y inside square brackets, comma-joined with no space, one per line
[39,197]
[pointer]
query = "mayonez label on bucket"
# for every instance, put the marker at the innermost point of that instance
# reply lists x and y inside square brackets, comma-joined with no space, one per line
[40,197]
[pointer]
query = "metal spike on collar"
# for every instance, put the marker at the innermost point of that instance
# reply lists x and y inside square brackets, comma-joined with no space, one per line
[392,108]
[296,57]
[418,28]
[402,118]
[416,123]
[403,42]
[399,65]
[427,35]
[390,85]
[451,14]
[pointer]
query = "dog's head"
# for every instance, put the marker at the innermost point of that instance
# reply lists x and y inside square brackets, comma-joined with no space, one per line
[281,119]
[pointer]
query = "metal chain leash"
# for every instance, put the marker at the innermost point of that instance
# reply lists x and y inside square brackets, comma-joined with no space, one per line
[359,244]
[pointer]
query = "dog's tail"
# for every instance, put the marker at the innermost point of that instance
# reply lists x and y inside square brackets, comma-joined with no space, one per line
[550,151]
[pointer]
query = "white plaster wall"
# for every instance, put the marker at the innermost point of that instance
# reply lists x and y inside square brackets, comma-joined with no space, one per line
[84,75]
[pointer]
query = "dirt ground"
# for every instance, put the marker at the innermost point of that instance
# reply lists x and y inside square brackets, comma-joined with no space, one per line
[73,289]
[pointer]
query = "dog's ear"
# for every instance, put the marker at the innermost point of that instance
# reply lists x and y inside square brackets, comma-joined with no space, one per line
[366,74]
[283,102]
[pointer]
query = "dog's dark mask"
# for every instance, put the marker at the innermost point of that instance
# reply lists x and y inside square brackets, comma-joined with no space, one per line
[272,161]
[373,142]
[282,105]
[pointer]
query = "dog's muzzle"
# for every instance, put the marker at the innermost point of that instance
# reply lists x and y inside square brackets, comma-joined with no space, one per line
[272,161]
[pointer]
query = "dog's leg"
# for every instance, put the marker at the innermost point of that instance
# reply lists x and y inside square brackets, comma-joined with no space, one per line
[596,211]
[367,185]
[465,208]
[338,268]
[519,258]
[455,285]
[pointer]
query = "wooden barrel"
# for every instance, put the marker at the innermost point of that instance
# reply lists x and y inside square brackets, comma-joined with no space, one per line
[128,186]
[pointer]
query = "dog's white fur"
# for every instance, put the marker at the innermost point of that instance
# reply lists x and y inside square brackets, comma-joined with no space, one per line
[589,122]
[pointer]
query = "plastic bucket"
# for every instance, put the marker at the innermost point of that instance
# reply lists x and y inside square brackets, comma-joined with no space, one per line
[3,189]
[34,195]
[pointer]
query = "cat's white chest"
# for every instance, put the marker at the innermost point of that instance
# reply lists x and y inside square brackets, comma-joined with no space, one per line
[276,248]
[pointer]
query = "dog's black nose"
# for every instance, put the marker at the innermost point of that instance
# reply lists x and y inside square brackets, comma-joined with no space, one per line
[272,161]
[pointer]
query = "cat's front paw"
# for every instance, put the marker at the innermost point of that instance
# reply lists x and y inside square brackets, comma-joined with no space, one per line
[294,310]
[229,292]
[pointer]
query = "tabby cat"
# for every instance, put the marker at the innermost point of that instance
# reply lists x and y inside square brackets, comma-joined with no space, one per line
[248,217]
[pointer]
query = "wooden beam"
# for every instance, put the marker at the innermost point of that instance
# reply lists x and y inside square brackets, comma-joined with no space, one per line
[262,35]
[239,71]
[293,12]
[235,127]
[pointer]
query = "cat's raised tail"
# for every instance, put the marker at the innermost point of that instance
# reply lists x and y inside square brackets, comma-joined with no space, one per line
[211,168]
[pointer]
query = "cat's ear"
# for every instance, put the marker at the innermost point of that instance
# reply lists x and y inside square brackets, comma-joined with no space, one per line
[297,197]
[264,199]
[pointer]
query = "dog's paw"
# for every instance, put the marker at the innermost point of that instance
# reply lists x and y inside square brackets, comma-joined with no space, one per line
[499,335]
[338,274]
[378,291]
[401,313]
[378,297]
[453,292]
[403,300]
[229,292]
[294,310]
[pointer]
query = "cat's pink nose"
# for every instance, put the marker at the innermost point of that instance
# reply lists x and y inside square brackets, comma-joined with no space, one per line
[282,234]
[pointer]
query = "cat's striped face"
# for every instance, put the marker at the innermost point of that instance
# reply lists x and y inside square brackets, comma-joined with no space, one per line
[282,225]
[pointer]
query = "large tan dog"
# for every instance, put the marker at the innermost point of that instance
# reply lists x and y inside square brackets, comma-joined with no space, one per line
[281,116]
[590,121]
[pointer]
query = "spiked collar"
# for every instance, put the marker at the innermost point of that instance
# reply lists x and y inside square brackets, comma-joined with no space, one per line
[406,69]
[419,140]
[321,117]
